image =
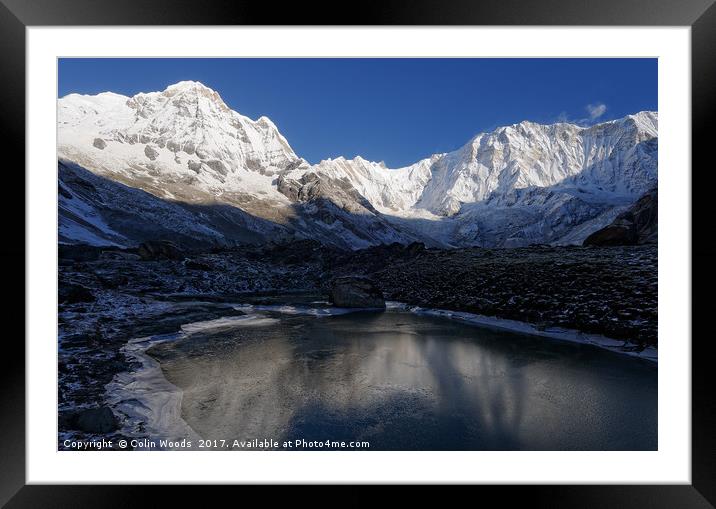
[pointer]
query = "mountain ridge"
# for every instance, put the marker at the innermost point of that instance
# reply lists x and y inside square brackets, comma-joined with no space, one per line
[518,184]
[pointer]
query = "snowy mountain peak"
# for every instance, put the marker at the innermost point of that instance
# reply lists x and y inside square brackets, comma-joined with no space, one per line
[646,122]
[521,183]
[186,98]
[183,133]
[187,85]
[192,92]
[604,157]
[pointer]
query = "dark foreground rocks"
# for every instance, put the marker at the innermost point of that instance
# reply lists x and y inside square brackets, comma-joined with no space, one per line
[605,290]
[609,291]
[355,292]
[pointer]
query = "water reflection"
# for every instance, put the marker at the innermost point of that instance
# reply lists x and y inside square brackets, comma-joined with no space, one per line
[403,381]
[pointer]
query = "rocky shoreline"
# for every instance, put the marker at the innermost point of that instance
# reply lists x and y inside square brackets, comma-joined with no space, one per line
[108,296]
[607,291]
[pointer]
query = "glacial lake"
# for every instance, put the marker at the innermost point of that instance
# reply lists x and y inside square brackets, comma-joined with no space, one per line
[405,381]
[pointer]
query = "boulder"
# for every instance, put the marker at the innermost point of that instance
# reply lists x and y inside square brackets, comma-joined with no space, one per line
[355,292]
[99,143]
[160,249]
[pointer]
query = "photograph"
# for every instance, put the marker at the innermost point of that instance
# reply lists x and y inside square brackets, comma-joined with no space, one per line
[418,244]
[357,254]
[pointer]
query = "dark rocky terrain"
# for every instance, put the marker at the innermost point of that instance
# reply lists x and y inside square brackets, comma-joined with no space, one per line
[107,296]
[636,225]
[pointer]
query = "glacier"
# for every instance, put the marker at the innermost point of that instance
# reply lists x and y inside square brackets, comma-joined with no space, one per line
[181,164]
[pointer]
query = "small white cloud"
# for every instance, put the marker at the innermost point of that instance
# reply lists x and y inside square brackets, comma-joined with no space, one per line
[596,110]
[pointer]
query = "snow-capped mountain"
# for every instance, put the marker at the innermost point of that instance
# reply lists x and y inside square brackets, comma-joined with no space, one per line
[183,139]
[520,184]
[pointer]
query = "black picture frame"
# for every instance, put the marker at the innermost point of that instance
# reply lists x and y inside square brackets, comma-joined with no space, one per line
[700,15]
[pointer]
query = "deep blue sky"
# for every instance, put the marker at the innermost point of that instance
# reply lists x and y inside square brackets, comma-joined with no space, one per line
[392,110]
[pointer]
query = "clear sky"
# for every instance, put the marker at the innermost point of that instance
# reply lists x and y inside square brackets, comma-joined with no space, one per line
[392,110]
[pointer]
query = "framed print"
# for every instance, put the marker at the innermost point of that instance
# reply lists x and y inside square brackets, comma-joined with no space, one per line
[434,246]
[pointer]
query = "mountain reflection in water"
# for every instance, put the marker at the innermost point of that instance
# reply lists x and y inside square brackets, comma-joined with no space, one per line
[409,382]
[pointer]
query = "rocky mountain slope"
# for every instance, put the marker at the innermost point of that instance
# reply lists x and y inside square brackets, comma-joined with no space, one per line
[211,175]
[636,225]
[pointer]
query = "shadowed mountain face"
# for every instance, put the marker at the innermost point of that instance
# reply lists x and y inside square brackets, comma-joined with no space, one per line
[637,225]
[98,211]
[179,164]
